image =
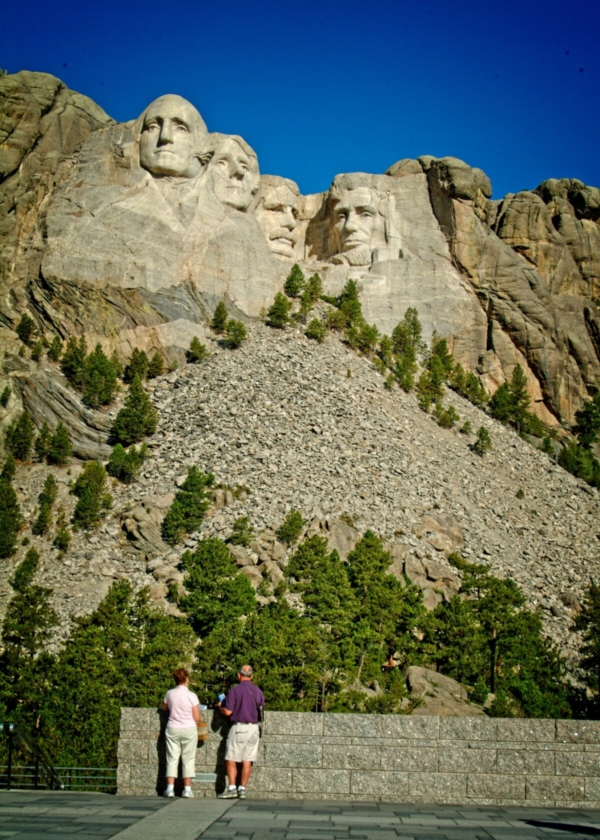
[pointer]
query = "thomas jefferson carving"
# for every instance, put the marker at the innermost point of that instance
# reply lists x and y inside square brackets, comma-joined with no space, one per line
[233,174]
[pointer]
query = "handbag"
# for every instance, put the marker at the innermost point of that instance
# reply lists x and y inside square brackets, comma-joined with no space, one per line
[203,731]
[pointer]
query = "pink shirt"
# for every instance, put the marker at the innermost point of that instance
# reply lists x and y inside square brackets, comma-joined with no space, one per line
[181,701]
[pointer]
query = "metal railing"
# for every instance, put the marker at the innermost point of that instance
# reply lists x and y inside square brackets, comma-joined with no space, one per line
[43,773]
[23,776]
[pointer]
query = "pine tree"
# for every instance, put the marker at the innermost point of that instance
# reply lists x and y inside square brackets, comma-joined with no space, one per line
[137,366]
[26,329]
[278,315]
[125,465]
[215,592]
[483,442]
[19,437]
[294,283]
[197,351]
[29,624]
[93,496]
[116,364]
[122,654]
[242,532]
[5,396]
[316,330]
[73,361]
[220,317]
[10,467]
[99,379]
[137,418]
[291,527]
[55,350]
[189,506]
[156,366]
[62,537]
[235,333]
[520,399]
[37,351]
[10,519]
[314,287]
[587,427]
[60,446]
[349,303]
[440,350]
[46,499]
[43,442]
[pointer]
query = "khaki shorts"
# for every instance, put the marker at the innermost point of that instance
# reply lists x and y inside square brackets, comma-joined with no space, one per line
[242,742]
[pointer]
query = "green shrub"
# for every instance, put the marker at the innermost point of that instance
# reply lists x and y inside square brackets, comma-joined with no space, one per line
[446,417]
[156,366]
[242,532]
[137,366]
[294,283]
[483,443]
[587,426]
[520,494]
[480,691]
[291,527]
[466,428]
[60,446]
[235,333]
[137,418]
[37,351]
[189,506]
[389,382]
[278,315]
[197,351]
[580,462]
[19,437]
[5,396]
[55,350]
[26,329]
[43,442]
[316,330]
[336,319]
[125,465]
[91,489]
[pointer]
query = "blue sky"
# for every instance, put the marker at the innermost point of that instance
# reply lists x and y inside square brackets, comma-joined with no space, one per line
[319,88]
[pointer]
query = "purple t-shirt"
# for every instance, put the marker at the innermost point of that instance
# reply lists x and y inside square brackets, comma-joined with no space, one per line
[243,701]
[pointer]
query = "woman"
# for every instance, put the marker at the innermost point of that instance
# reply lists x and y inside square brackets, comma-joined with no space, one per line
[182,735]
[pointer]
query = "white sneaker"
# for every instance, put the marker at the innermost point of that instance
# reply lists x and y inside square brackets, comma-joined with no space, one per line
[169,794]
[187,794]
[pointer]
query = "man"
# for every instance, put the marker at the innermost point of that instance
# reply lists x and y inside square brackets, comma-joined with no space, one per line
[242,706]
[277,214]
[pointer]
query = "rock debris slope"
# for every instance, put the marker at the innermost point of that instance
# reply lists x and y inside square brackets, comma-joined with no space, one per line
[311,427]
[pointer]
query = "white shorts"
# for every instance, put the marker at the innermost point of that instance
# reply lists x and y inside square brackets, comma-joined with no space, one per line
[242,742]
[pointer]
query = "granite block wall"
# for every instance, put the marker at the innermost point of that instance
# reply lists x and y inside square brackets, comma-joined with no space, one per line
[397,758]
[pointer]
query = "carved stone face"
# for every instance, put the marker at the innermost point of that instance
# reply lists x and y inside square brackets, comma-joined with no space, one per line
[277,215]
[172,136]
[234,174]
[357,222]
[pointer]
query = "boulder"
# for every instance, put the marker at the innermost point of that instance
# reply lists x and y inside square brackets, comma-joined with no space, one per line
[439,695]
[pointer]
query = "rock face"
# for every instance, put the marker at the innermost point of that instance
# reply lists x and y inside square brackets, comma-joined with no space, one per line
[439,695]
[131,233]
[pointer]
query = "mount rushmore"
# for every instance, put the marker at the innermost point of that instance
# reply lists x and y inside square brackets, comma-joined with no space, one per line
[132,233]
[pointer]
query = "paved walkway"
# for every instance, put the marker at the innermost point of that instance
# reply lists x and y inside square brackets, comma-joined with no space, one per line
[42,816]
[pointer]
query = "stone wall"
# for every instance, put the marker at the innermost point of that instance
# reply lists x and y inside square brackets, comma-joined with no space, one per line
[391,757]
